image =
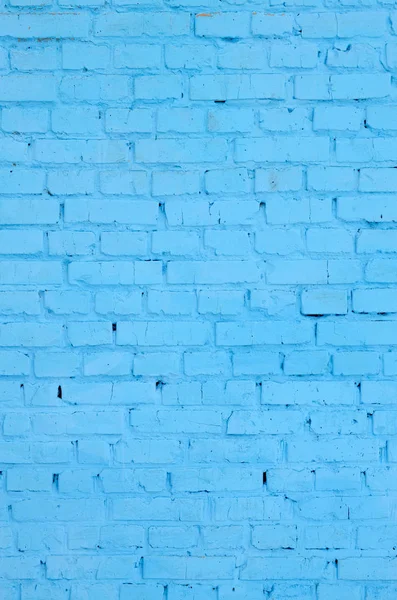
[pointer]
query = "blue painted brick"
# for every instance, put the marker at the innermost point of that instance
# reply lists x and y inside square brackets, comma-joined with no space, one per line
[198,300]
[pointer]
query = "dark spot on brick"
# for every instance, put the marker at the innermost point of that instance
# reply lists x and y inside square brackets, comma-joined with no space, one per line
[59,395]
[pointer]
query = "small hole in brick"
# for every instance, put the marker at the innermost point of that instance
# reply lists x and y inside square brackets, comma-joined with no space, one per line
[264,477]
[55,478]
[114,326]
[59,395]
[159,384]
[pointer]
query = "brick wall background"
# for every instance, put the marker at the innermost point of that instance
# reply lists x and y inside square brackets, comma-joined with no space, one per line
[198,299]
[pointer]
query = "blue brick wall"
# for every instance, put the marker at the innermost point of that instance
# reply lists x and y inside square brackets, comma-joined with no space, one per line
[198,300]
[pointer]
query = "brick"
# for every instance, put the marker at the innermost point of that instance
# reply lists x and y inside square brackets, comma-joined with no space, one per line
[228,181]
[228,243]
[21,242]
[186,151]
[137,56]
[124,120]
[30,334]
[211,273]
[234,87]
[377,569]
[382,119]
[228,302]
[180,120]
[94,151]
[328,536]
[380,269]
[227,24]
[66,302]
[384,394]
[356,363]
[55,364]
[269,25]
[254,333]
[158,87]
[266,422]
[278,180]
[89,333]
[226,120]
[242,56]
[306,363]
[123,243]
[298,568]
[175,242]
[297,271]
[363,334]
[46,25]
[332,179]
[270,537]
[76,120]
[378,180]
[338,118]
[95,87]
[189,56]
[213,479]
[375,300]
[25,120]
[255,363]
[195,567]
[323,301]
[114,211]
[19,303]
[88,57]
[309,392]
[284,119]
[367,24]
[318,25]
[152,333]
[299,55]
[303,149]
[105,273]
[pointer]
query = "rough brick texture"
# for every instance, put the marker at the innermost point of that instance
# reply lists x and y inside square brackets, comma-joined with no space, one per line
[198,302]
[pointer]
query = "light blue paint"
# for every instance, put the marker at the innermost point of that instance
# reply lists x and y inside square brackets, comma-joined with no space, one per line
[198,300]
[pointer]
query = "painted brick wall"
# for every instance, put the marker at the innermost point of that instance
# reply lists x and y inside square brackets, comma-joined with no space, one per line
[198,300]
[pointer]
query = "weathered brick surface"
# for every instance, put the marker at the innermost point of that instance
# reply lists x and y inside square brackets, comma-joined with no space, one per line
[198,301]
